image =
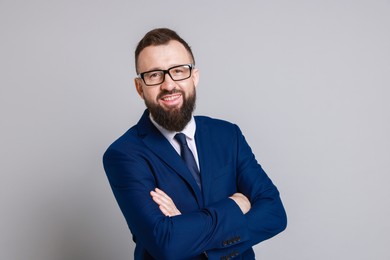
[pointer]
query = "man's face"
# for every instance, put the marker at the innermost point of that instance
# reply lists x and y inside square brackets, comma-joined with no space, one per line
[172,102]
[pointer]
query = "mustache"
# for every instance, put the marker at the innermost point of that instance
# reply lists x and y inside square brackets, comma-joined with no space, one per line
[170,92]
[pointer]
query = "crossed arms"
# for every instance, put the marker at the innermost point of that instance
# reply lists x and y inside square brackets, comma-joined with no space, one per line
[168,207]
[245,210]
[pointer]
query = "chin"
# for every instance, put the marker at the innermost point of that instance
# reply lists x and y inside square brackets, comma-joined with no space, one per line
[175,108]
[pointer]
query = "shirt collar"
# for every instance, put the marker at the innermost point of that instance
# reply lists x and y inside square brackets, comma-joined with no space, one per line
[189,129]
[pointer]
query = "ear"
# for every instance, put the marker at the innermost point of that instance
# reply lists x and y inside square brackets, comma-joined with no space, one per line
[195,76]
[138,87]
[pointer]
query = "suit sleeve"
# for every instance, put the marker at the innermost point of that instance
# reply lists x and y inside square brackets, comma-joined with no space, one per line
[187,235]
[267,216]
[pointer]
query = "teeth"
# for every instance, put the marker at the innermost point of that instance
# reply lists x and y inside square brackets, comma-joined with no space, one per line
[169,98]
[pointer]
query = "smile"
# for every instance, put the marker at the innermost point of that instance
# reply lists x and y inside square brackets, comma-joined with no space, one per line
[171,97]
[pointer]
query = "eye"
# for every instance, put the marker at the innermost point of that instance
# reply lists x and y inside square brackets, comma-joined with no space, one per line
[178,70]
[153,75]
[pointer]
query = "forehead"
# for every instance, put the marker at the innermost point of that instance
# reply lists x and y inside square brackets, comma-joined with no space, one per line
[163,56]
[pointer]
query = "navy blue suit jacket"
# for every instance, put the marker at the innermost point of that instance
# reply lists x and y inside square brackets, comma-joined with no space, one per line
[211,223]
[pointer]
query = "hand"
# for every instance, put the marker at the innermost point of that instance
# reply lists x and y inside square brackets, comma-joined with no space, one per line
[165,203]
[242,202]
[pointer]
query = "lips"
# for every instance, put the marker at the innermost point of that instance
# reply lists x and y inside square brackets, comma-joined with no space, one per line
[173,98]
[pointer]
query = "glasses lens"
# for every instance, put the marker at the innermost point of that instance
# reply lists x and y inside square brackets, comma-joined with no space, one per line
[180,72]
[154,77]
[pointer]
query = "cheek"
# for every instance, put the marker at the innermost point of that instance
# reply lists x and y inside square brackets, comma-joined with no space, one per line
[150,95]
[190,90]
[188,87]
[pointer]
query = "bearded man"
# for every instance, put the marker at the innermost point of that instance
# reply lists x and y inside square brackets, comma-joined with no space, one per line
[188,186]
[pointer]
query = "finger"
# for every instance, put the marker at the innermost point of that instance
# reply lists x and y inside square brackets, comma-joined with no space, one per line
[167,210]
[156,199]
[163,194]
[159,191]
[162,202]
[163,197]
[171,212]
[160,198]
[165,203]
[164,211]
[158,195]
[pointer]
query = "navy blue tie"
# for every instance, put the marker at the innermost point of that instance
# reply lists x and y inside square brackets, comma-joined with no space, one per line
[188,157]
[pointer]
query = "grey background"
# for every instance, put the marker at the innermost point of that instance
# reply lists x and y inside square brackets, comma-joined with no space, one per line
[307,81]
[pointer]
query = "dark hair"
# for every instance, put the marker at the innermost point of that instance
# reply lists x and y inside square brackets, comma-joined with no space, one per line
[160,36]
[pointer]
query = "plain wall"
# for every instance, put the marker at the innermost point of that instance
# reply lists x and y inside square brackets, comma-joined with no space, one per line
[307,82]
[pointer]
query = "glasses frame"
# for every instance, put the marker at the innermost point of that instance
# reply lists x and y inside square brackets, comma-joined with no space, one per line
[142,74]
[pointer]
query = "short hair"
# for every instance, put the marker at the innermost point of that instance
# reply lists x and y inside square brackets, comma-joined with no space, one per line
[160,36]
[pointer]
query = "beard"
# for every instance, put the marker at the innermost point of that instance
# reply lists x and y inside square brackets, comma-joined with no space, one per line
[174,119]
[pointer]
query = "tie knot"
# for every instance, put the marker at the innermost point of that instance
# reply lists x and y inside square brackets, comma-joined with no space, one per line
[181,138]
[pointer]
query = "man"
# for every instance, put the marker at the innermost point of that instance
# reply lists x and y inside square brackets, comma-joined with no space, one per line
[198,195]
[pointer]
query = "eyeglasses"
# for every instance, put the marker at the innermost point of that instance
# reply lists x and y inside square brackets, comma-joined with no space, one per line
[156,77]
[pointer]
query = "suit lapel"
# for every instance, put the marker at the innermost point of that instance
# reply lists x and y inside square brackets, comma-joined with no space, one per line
[161,147]
[202,140]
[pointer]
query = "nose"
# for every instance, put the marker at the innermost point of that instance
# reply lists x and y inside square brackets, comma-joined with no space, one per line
[168,83]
